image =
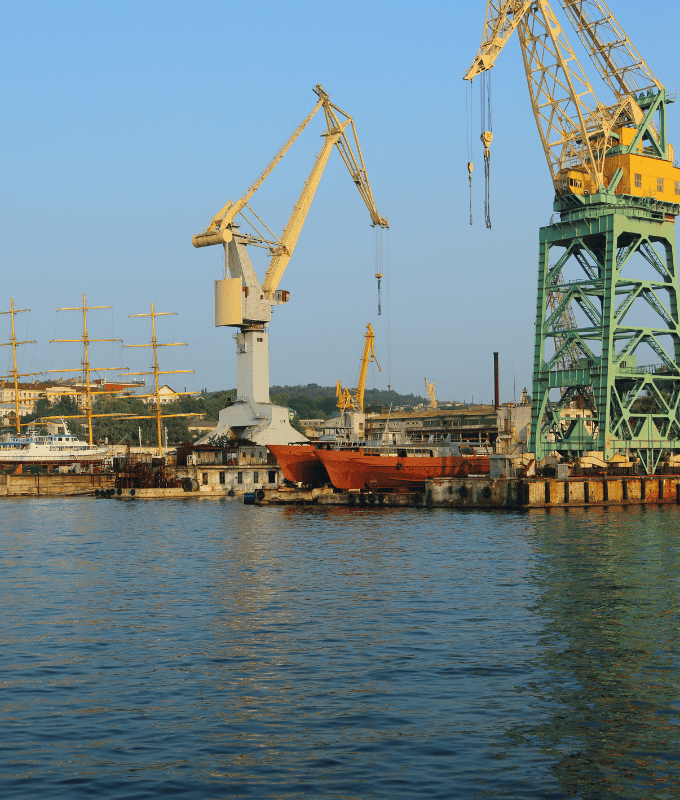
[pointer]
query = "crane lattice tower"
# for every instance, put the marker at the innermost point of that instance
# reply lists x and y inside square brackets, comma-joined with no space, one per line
[610,253]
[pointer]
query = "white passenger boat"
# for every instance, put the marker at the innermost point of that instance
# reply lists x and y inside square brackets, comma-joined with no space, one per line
[61,448]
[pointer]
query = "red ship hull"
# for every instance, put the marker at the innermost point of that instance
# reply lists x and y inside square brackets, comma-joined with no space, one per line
[351,469]
[299,463]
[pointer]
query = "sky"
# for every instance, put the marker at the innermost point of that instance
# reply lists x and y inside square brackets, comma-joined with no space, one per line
[128,125]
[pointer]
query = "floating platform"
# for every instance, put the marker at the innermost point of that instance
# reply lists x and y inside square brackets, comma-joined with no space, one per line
[484,492]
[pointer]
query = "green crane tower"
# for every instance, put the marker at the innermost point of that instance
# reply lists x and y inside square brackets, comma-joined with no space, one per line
[607,328]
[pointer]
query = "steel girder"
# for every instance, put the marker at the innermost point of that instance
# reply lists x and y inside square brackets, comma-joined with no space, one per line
[634,408]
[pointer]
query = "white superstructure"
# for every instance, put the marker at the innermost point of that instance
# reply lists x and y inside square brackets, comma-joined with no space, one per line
[58,448]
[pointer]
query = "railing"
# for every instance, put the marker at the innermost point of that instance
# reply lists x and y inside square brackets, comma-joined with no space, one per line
[646,369]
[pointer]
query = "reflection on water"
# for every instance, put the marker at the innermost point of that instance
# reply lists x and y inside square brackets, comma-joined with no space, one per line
[609,598]
[212,650]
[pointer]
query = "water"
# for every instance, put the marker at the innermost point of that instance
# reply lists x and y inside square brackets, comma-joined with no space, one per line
[203,649]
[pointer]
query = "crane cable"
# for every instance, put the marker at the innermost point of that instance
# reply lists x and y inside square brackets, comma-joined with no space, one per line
[468,131]
[486,138]
[378,261]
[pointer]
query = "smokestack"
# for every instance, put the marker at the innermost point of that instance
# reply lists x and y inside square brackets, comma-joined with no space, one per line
[496,401]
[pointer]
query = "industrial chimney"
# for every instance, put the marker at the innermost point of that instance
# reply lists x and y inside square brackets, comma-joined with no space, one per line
[496,401]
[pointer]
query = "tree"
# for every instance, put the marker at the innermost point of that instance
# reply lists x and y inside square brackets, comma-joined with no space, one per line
[66,406]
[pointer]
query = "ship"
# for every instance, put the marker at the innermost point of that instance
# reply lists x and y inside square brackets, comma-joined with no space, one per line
[60,449]
[391,462]
[299,462]
[381,467]
[344,458]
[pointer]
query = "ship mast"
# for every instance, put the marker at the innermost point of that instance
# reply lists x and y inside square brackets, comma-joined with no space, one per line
[155,344]
[85,340]
[15,374]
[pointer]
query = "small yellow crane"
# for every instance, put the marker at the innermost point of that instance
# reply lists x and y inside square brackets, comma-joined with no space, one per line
[430,394]
[346,399]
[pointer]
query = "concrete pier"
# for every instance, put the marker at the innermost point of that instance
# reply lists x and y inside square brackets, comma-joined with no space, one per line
[484,492]
[552,493]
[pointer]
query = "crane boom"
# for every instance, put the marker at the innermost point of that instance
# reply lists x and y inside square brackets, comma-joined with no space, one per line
[345,398]
[562,99]
[281,255]
[219,230]
[620,65]
[577,131]
[226,215]
[502,17]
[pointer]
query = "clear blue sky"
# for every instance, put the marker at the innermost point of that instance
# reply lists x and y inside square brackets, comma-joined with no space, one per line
[126,126]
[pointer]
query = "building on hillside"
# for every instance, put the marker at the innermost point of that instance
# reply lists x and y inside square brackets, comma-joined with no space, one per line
[7,411]
[29,394]
[59,390]
[76,389]
[166,396]
[54,391]
[119,388]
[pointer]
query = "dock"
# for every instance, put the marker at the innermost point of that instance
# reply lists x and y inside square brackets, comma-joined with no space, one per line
[42,484]
[493,493]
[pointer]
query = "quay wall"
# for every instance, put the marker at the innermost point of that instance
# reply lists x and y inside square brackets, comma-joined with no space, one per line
[552,493]
[483,492]
[55,484]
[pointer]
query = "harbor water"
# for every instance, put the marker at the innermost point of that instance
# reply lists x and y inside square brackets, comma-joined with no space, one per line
[203,649]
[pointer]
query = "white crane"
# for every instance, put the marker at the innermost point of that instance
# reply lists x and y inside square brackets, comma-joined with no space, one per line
[242,302]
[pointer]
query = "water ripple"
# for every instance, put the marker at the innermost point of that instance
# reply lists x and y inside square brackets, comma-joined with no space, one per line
[209,650]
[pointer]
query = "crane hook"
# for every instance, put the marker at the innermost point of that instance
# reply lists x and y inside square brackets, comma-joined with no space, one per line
[487,138]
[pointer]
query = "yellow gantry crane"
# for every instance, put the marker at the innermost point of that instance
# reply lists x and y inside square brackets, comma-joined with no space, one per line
[583,139]
[617,192]
[347,400]
[242,302]
[589,146]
